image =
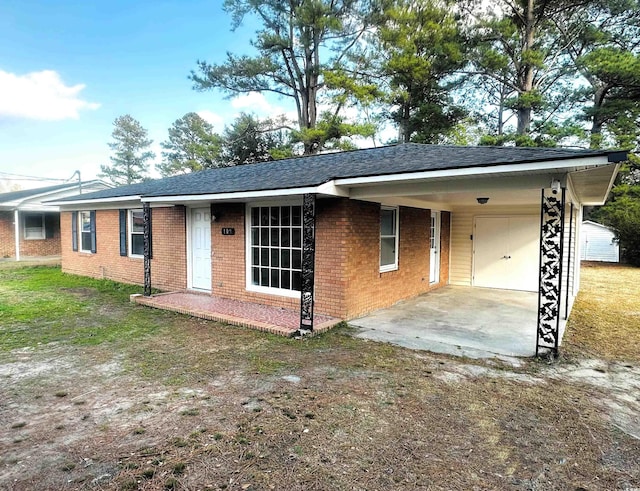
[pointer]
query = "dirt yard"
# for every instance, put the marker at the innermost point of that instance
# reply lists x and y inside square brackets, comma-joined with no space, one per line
[97,393]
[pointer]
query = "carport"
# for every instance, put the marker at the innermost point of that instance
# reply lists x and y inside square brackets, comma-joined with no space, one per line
[511,254]
[464,321]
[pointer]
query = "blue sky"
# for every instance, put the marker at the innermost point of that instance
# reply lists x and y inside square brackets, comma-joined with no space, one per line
[69,68]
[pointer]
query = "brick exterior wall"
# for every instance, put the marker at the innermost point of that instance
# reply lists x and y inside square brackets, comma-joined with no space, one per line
[28,247]
[229,253]
[348,282]
[7,243]
[367,288]
[169,263]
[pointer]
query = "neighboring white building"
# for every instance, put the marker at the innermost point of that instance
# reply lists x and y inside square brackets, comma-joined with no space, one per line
[597,243]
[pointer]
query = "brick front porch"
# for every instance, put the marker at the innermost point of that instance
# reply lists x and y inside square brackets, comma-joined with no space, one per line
[274,320]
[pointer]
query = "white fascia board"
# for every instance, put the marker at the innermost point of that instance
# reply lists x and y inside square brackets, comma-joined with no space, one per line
[612,181]
[327,188]
[456,185]
[36,197]
[38,207]
[476,171]
[331,189]
[95,201]
[122,205]
[9,205]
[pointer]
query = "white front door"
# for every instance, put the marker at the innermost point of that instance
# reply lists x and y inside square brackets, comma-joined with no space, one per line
[201,248]
[506,252]
[434,248]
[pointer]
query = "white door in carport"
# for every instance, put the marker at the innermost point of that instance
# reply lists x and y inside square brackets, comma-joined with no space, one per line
[506,252]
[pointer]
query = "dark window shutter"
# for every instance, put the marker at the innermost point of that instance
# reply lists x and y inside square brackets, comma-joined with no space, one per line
[92,219]
[150,236]
[74,230]
[49,226]
[123,232]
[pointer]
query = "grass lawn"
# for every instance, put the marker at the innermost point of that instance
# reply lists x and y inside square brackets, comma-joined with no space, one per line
[605,322]
[98,393]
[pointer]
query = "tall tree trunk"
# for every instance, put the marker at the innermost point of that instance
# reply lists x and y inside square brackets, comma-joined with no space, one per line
[404,133]
[310,88]
[526,85]
[503,99]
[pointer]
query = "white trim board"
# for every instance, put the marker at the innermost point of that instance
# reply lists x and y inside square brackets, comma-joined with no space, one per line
[477,171]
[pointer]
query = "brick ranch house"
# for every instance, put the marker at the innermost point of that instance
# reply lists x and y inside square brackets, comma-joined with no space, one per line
[344,234]
[29,227]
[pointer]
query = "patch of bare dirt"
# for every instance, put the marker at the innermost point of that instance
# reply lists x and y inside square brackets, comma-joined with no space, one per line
[331,418]
[196,405]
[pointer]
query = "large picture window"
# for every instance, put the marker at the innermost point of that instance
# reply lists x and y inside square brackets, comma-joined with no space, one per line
[34,227]
[388,239]
[275,248]
[136,232]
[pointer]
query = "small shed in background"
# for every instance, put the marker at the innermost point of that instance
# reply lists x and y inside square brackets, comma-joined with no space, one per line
[597,243]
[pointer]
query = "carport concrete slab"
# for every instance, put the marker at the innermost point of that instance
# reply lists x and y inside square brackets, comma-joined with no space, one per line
[464,321]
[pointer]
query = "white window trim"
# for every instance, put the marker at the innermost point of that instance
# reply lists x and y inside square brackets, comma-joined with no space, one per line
[130,234]
[394,266]
[249,285]
[80,232]
[43,232]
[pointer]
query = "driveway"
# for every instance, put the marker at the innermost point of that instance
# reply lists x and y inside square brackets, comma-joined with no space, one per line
[464,321]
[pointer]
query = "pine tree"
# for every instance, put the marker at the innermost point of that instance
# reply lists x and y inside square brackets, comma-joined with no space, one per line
[131,154]
[298,43]
[192,146]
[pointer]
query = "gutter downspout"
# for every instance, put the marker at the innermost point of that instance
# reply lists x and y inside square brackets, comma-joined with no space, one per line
[16,228]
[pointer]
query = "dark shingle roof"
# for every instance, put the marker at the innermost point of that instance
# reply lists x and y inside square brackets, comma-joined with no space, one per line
[27,193]
[318,169]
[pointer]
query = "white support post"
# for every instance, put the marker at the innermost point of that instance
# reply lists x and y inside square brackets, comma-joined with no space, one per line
[16,233]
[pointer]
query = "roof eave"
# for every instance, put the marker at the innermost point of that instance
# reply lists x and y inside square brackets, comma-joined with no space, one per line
[563,164]
[115,199]
[325,189]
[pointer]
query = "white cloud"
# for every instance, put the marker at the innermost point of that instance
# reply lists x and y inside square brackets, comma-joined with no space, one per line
[254,101]
[42,96]
[212,118]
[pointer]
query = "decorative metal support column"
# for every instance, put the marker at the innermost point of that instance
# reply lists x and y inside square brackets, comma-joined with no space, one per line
[308,263]
[570,258]
[550,279]
[146,213]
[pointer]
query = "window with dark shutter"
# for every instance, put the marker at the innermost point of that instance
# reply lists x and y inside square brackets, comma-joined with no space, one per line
[74,230]
[136,231]
[51,223]
[150,235]
[92,218]
[123,232]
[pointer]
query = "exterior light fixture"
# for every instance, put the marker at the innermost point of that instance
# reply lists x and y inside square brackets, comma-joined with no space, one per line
[555,186]
[482,201]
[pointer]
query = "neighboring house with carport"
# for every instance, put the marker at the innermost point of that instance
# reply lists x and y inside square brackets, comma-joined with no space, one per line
[29,227]
[344,234]
[598,243]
